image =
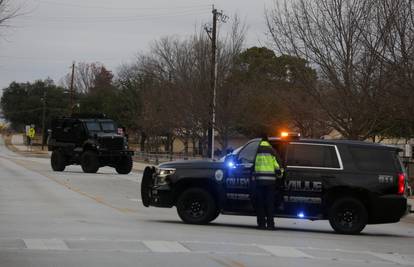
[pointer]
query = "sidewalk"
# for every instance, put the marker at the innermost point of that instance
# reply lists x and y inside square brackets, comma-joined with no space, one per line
[16,144]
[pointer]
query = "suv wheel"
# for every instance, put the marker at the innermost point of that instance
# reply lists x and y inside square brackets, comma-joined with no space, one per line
[196,206]
[90,162]
[146,185]
[348,216]
[58,161]
[124,165]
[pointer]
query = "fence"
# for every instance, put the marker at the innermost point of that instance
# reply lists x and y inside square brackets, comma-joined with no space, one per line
[409,168]
[156,158]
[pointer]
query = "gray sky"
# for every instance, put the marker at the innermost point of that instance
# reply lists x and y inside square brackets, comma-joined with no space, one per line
[44,42]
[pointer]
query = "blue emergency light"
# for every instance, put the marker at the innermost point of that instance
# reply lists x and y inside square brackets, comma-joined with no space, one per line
[231,164]
[301,214]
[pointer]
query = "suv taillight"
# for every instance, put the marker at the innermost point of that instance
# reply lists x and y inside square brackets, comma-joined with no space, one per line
[401,183]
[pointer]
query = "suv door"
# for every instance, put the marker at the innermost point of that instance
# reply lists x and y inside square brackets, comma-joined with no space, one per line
[308,167]
[237,183]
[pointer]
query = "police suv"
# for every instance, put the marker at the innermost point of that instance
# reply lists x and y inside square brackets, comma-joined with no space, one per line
[349,183]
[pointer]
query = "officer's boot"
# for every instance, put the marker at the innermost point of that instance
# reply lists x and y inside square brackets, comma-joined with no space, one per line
[270,223]
[261,223]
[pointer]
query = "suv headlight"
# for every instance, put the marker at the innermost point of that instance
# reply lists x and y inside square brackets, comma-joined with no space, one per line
[162,175]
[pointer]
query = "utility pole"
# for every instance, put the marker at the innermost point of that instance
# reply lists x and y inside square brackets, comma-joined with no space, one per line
[71,87]
[43,118]
[212,33]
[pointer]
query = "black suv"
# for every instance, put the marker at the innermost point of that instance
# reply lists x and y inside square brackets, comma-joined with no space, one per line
[350,183]
[91,141]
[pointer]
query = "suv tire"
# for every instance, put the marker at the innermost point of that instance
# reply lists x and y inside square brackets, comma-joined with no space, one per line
[89,162]
[196,206]
[146,185]
[348,216]
[124,165]
[58,161]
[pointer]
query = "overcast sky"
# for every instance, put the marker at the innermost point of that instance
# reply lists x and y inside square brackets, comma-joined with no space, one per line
[44,42]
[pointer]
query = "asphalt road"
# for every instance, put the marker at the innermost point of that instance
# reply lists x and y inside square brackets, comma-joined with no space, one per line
[76,219]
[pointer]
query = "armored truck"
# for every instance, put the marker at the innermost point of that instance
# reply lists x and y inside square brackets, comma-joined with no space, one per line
[91,141]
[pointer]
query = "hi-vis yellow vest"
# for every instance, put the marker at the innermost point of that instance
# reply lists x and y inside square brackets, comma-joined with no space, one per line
[266,165]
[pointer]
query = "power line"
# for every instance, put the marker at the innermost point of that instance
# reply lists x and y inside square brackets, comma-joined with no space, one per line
[110,18]
[124,16]
[119,8]
[42,59]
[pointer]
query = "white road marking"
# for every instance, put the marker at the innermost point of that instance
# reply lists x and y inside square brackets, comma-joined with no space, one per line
[395,258]
[165,246]
[161,246]
[135,199]
[45,244]
[289,252]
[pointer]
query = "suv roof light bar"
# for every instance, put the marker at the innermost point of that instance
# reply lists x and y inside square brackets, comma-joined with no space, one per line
[290,135]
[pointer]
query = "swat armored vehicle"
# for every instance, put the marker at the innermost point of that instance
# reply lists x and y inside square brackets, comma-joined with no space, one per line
[91,141]
[349,183]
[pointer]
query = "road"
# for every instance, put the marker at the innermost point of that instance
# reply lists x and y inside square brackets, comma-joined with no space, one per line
[76,219]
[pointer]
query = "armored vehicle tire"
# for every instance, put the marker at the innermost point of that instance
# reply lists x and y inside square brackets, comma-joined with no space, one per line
[196,206]
[58,161]
[89,162]
[124,165]
[348,215]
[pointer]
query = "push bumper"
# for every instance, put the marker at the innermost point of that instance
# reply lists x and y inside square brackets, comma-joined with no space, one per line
[115,153]
[161,196]
[388,209]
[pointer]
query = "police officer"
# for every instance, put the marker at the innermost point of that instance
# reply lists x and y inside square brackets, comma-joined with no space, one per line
[266,171]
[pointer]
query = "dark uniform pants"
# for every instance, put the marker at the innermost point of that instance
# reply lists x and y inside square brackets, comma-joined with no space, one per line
[265,204]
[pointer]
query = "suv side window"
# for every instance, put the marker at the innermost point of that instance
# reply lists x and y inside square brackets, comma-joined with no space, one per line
[374,160]
[248,153]
[312,155]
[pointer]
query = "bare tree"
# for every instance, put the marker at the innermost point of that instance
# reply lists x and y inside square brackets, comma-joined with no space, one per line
[332,36]
[7,12]
[396,24]
[171,88]
[85,77]
[229,94]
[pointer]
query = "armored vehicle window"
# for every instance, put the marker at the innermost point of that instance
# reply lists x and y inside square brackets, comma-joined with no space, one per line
[93,126]
[248,153]
[108,126]
[77,130]
[374,160]
[310,155]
